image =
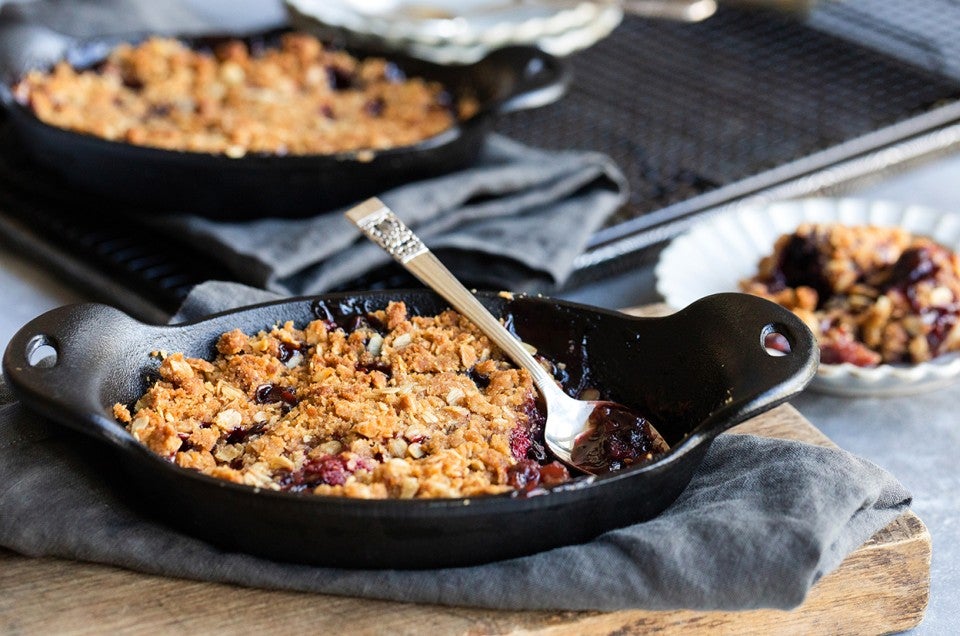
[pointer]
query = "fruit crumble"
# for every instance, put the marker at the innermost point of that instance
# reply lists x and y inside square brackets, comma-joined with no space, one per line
[387,406]
[870,294]
[300,97]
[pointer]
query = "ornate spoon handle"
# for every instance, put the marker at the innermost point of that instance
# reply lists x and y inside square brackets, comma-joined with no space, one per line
[382,226]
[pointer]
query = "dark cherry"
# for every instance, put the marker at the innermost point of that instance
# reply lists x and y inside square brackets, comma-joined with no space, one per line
[356,322]
[482,381]
[329,469]
[848,350]
[271,393]
[240,435]
[376,365]
[160,110]
[524,476]
[185,445]
[376,324]
[286,351]
[364,321]
[526,440]
[132,82]
[800,264]
[943,321]
[520,441]
[915,264]
[323,314]
[553,473]
[618,437]
[375,106]
[339,79]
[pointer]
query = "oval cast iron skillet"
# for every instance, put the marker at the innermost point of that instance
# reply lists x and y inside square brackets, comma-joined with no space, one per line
[217,186]
[695,374]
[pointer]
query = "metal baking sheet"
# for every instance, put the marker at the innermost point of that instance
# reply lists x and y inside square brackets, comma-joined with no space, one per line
[744,106]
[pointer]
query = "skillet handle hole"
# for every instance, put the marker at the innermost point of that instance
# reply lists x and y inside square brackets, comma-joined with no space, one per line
[774,342]
[42,352]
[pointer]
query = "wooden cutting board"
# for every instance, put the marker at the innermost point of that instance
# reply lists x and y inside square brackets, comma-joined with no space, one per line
[880,588]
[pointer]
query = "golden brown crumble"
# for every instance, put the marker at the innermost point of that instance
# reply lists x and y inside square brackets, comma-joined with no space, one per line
[297,98]
[870,294]
[399,407]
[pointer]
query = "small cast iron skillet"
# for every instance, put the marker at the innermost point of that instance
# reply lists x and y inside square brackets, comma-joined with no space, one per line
[216,186]
[695,373]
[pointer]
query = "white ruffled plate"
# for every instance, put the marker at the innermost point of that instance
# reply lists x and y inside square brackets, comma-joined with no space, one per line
[717,253]
[462,31]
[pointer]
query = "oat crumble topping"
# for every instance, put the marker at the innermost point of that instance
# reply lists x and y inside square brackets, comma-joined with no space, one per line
[870,294]
[298,98]
[396,406]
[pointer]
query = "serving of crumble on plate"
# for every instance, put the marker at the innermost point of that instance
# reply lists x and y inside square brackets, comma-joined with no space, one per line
[878,283]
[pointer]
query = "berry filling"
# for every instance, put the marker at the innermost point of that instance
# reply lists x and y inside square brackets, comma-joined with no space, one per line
[618,437]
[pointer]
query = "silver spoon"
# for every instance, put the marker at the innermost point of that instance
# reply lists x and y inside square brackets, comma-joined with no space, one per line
[571,425]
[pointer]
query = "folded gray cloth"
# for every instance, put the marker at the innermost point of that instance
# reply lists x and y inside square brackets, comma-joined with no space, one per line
[94,18]
[532,211]
[37,32]
[761,521]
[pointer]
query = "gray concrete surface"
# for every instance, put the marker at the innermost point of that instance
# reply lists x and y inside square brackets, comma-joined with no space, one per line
[917,438]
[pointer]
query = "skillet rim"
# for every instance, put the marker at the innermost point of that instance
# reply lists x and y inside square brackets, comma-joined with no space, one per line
[460,128]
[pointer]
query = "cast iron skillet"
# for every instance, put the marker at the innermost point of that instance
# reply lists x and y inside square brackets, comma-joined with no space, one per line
[696,373]
[217,186]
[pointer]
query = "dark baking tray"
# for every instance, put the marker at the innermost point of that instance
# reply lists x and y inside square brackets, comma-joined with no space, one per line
[744,105]
[703,115]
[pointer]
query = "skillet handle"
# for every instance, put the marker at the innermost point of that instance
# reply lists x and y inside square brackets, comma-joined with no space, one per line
[536,78]
[61,363]
[738,328]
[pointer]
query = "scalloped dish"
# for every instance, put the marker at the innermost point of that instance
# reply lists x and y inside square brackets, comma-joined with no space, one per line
[463,31]
[878,284]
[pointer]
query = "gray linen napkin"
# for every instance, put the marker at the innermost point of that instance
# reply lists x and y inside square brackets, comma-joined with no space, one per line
[761,521]
[533,211]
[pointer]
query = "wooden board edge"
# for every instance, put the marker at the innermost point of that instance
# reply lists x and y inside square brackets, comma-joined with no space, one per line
[856,598]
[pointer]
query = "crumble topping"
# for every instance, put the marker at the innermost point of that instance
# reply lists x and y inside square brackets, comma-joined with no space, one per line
[870,294]
[298,98]
[393,406]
